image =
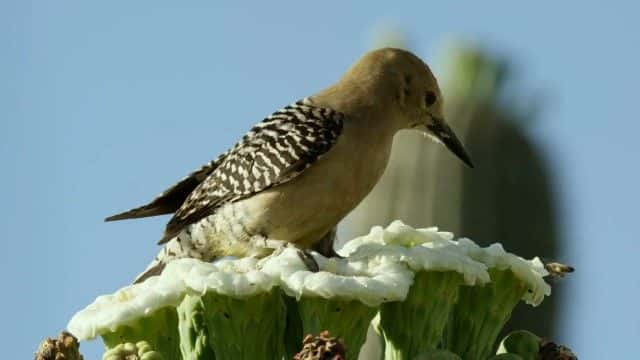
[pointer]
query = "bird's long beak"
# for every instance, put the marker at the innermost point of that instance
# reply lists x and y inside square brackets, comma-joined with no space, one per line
[440,129]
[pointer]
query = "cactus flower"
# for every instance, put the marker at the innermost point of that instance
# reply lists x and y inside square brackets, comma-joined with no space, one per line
[481,312]
[193,311]
[414,326]
[432,298]
[343,297]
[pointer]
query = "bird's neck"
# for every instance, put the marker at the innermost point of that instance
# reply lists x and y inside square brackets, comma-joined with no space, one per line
[364,103]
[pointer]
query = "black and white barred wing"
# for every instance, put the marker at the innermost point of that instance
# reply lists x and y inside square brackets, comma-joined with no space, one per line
[275,151]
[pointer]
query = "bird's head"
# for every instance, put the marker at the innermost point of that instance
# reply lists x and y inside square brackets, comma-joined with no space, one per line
[410,91]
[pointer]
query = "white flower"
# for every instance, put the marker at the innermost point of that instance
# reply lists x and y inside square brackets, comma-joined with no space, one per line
[235,278]
[125,306]
[421,249]
[371,281]
[232,277]
[531,272]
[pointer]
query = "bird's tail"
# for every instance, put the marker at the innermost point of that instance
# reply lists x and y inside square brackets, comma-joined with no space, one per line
[154,269]
[172,250]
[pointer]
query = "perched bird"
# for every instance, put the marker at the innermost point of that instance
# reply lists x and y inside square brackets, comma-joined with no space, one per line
[297,173]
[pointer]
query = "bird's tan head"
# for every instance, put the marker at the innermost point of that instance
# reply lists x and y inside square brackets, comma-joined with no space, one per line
[404,85]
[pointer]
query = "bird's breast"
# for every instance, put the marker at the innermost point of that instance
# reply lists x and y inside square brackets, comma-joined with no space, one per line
[310,205]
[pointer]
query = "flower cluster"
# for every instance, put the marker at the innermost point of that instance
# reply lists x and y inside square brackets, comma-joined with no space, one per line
[426,291]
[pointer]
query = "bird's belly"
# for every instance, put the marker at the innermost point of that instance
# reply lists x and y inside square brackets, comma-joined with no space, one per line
[303,210]
[292,216]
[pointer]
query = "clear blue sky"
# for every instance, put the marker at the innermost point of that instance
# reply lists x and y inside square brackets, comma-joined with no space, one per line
[104,104]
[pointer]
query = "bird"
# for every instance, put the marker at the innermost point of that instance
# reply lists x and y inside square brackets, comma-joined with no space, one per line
[296,174]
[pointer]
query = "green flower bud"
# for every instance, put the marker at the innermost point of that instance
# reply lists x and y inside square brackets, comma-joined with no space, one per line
[521,342]
[130,351]
[159,330]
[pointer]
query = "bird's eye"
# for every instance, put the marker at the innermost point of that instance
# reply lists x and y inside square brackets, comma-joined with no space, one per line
[430,98]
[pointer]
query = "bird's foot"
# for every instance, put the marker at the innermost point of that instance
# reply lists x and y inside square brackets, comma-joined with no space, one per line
[308,260]
[261,246]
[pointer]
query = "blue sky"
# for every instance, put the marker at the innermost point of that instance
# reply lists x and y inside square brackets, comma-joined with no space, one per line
[104,104]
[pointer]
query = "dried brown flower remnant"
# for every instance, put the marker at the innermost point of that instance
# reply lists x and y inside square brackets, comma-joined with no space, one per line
[65,347]
[552,351]
[321,347]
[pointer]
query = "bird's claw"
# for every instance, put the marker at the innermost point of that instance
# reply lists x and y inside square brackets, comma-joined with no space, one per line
[308,260]
[277,247]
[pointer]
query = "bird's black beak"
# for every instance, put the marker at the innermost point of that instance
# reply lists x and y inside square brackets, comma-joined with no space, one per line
[443,132]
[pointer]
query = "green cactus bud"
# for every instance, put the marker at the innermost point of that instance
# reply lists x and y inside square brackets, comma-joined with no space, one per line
[158,330]
[521,342]
[130,351]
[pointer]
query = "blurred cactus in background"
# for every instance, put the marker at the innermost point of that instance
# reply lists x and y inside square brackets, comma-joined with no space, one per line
[508,197]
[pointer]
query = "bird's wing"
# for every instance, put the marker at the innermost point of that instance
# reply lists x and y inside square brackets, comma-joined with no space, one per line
[275,151]
[171,199]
